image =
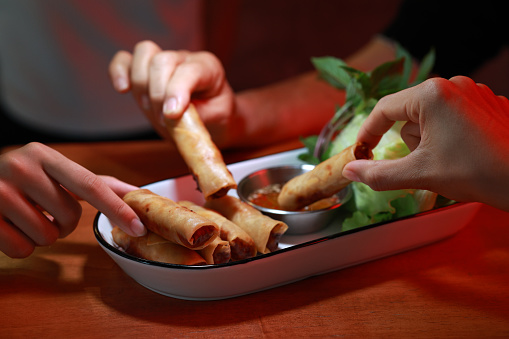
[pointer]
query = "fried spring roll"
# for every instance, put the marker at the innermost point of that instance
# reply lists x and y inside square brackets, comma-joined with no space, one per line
[265,231]
[201,155]
[242,246]
[323,181]
[217,252]
[155,248]
[171,221]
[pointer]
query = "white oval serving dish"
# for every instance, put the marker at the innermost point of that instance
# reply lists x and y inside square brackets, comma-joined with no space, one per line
[299,256]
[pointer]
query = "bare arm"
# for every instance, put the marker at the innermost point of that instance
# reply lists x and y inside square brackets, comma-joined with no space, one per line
[166,81]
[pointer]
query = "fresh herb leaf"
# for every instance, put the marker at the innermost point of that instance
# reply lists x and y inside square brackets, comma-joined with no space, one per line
[407,67]
[309,143]
[386,78]
[361,82]
[363,90]
[357,219]
[330,70]
[426,66]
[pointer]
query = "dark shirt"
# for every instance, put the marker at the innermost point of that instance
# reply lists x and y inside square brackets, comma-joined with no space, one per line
[464,34]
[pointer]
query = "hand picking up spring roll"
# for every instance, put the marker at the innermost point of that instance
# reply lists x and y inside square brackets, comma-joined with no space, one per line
[155,248]
[323,181]
[265,231]
[171,221]
[201,154]
[242,246]
[217,252]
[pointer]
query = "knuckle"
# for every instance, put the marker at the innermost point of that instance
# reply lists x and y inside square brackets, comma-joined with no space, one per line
[191,66]
[91,183]
[208,56]
[165,58]
[36,147]
[382,104]
[437,87]
[18,164]
[146,46]
[120,208]
[119,62]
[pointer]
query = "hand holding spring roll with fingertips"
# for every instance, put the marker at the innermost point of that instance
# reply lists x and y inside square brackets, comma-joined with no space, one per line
[201,155]
[323,181]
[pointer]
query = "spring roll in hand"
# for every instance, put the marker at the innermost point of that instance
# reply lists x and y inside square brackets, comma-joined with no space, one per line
[155,248]
[323,181]
[201,155]
[265,231]
[242,246]
[171,221]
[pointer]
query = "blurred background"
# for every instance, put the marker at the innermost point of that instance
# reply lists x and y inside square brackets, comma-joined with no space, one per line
[54,54]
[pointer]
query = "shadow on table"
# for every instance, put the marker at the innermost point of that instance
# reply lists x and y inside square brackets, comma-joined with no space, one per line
[450,271]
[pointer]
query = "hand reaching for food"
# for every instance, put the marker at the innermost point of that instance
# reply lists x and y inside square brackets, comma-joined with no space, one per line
[167,81]
[39,188]
[457,132]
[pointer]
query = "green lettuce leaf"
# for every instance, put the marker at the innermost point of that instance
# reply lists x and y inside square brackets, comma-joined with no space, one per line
[363,90]
[373,205]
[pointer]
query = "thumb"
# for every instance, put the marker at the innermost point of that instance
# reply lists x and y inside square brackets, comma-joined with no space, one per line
[383,175]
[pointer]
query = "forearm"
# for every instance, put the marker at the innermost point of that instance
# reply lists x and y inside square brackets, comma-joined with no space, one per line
[299,106]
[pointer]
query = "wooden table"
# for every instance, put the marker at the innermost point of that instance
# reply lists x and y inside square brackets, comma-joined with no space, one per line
[458,287]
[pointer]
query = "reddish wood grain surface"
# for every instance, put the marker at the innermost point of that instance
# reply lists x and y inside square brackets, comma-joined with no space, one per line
[457,287]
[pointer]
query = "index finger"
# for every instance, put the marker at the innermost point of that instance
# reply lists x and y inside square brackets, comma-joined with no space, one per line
[400,106]
[94,190]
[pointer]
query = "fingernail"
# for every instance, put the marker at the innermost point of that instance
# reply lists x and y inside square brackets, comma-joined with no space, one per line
[137,228]
[170,106]
[145,102]
[121,84]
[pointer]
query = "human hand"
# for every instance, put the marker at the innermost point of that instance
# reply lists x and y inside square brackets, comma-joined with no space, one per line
[167,81]
[458,132]
[38,199]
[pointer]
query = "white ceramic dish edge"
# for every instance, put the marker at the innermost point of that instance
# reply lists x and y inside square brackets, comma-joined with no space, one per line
[300,257]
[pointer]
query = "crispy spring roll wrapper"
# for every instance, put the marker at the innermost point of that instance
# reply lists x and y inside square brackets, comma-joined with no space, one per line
[171,221]
[265,231]
[217,252]
[242,246]
[201,155]
[155,248]
[323,181]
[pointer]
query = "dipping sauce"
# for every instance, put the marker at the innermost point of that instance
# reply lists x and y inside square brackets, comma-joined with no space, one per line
[267,197]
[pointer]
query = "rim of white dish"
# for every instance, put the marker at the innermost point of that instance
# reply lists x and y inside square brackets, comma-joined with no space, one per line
[123,254]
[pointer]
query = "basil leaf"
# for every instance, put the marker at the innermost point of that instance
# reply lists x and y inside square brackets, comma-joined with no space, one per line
[362,79]
[386,78]
[309,143]
[426,66]
[407,67]
[329,69]
[354,93]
